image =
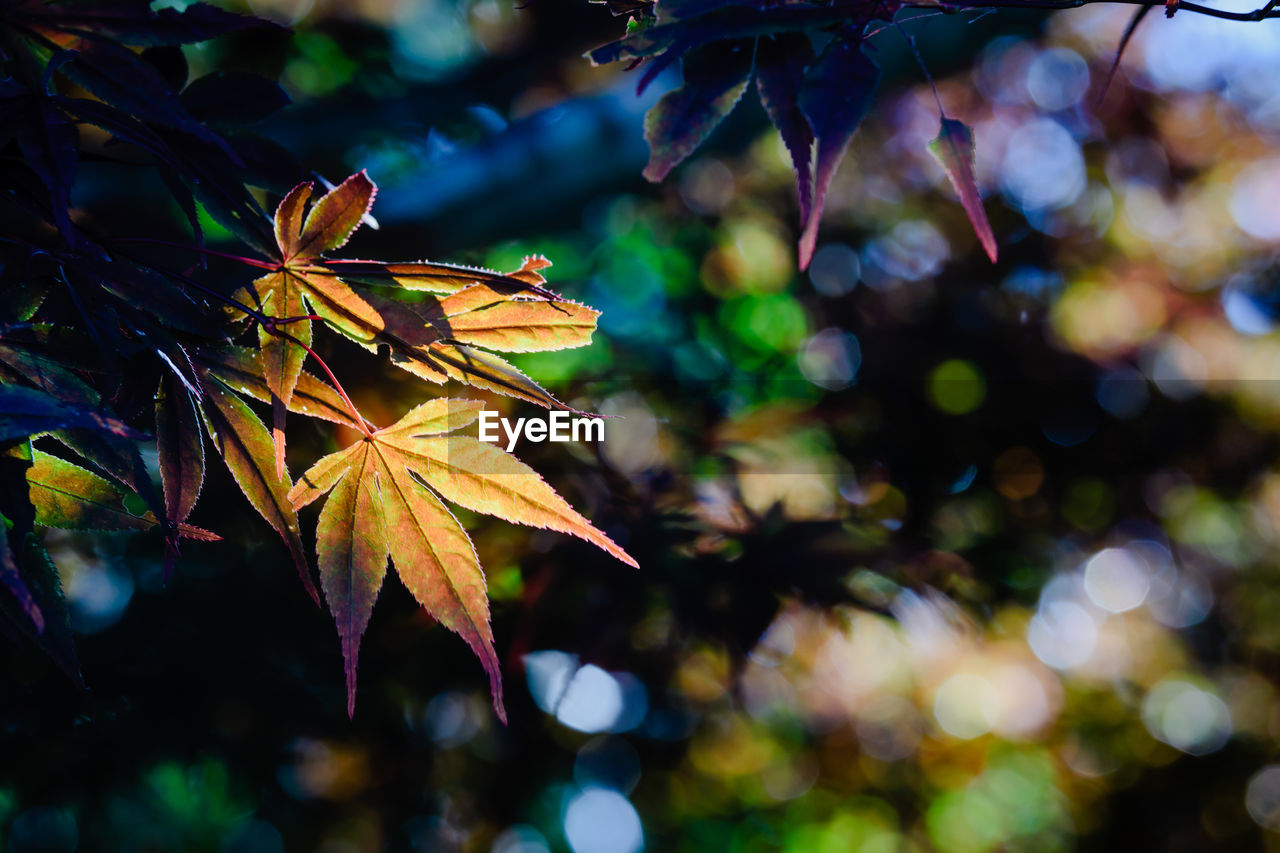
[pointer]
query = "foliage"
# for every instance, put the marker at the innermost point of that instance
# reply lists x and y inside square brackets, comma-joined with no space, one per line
[816,100]
[896,514]
[90,330]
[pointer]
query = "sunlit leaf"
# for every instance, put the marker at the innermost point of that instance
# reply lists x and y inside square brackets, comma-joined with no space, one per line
[240,368]
[70,497]
[334,217]
[384,500]
[246,448]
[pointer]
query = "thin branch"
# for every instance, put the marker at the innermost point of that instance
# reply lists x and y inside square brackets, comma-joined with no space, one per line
[1270,10]
[365,426]
[924,69]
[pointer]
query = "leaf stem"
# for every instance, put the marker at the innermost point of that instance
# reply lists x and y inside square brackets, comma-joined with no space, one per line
[271,325]
[1270,10]
[364,425]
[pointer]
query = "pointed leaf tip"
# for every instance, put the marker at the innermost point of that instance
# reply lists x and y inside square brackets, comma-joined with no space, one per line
[954,150]
[835,97]
[335,216]
[715,76]
[384,499]
[781,61]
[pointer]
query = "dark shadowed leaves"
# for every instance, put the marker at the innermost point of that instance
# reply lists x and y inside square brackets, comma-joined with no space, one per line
[26,411]
[179,448]
[836,95]
[781,62]
[133,22]
[50,144]
[715,76]
[11,579]
[53,635]
[233,97]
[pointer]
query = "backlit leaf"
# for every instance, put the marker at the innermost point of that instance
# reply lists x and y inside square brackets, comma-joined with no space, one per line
[384,500]
[240,368]
[246,448]
[288,219]
[69,497]
[954,151]
[331,220]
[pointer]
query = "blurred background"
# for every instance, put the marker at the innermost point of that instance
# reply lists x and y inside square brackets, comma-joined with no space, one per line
[936,554]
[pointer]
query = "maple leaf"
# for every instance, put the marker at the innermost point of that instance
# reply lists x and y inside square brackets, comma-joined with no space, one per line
[69,497]
[385,499]
[430,339]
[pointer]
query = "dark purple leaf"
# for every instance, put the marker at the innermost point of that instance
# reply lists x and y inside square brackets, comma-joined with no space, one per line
[715,76]
[837,93]
[56,640]
[122,79]
[626,7]
[781,62]
[267,163]
[735,22]
[171,62]
[954,150]
[51,145]
[26,411]
[137,289]
[12,580]
[233,97]
[180,448]
[133,21]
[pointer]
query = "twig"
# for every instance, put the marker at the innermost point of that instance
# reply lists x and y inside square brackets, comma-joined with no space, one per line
[1270,10]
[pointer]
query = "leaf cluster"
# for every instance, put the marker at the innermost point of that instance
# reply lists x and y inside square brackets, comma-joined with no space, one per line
[814,73]
[104,350]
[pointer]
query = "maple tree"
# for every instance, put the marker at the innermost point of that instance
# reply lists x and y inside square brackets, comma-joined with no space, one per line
[90,329]
[102,346]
